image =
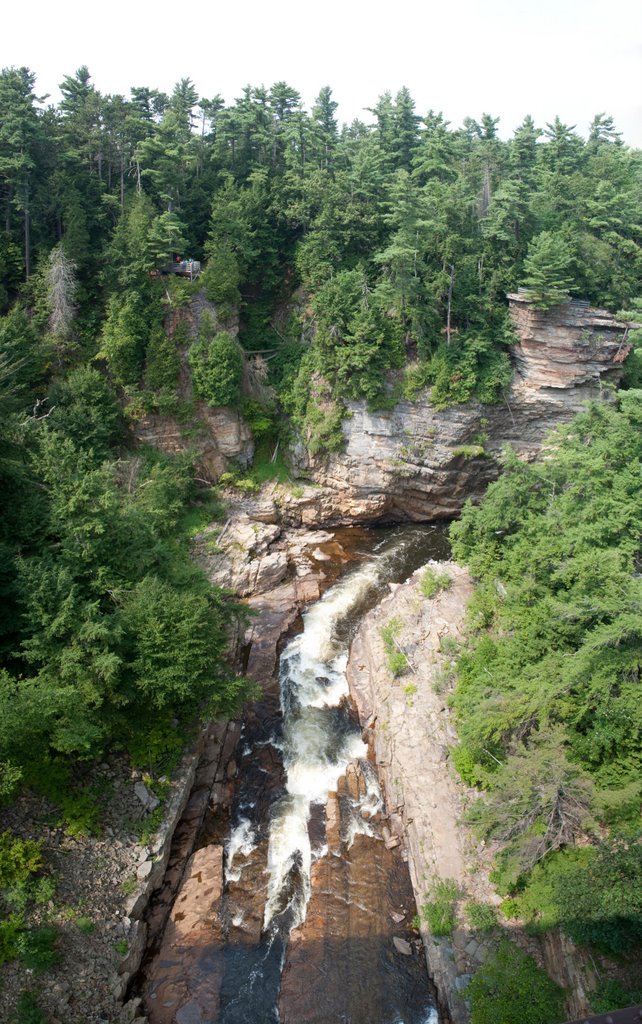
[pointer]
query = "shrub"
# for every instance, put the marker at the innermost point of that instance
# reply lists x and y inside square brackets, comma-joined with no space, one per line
[449,646]
[19,858]
[611,995]
[397,660]
[28,1011]
[432,582]
[417,376]
[511,989]
[37,949]
[467,765]
[9,931]
[439,912]
[481,916]
[600,902]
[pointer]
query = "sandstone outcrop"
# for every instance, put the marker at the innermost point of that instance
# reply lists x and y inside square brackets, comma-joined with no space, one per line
[217,436]
[568,346]
[415,462]
[420,463]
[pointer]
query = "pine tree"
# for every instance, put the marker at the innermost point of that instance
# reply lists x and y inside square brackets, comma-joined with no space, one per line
[548,270]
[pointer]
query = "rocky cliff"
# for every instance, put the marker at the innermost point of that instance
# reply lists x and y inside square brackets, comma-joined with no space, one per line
[411,733]
[218,436]
[420,463]
[417,462]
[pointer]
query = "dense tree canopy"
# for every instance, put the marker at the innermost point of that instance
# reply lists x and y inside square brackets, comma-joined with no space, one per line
[548,700]
[357,261]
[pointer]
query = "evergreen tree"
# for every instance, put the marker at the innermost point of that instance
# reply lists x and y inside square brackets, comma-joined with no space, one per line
[548,270]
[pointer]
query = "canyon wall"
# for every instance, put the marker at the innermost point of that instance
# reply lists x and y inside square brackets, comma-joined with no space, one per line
[419,463]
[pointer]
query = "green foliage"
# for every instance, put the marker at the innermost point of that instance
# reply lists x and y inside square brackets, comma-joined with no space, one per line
[560,635]
[37,949]
[324,432]
[172,638]
[158,744]
[548,270]
[356,343]
[125,337]
[217,368]
[481,917]
[417,377]
[439,911]
[397,660]
[538,802]
[460,371]
[632,369]
[600,903]
[28,1011]
[265,466]
[537,903]
[468,765]
[510,988]
[9,931]
[85,410]
[107,578]
[162,365]
[19,858]
[432,582]
[612,995]
[547,706]
[244,484]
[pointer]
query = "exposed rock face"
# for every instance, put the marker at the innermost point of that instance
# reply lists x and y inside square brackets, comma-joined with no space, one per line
[566,346]
[410,735]
[411,732]
[217,435]
[419,463]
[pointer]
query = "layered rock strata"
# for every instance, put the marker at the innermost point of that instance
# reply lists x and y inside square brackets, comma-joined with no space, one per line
[420,463]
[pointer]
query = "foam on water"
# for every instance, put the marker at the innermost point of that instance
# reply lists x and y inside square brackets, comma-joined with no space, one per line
[242,841]
[316,749]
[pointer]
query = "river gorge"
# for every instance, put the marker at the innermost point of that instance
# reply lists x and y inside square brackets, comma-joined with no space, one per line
[297,905]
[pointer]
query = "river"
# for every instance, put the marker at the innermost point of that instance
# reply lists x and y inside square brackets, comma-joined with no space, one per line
[313,898]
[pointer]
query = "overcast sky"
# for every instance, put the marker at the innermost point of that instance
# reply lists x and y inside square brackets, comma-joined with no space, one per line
[508,58]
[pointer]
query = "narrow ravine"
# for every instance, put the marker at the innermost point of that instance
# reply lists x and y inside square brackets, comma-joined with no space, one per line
[313,919]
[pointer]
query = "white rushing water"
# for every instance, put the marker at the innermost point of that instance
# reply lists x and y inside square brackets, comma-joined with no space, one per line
[242,841]
[316,749]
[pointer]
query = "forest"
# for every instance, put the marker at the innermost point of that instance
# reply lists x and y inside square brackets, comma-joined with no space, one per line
[364,261]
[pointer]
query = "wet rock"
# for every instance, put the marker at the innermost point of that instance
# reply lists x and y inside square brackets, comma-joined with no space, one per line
[402,946]
[189,1014]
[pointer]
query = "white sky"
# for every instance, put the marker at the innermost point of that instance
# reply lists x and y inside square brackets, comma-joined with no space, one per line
[509,58]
